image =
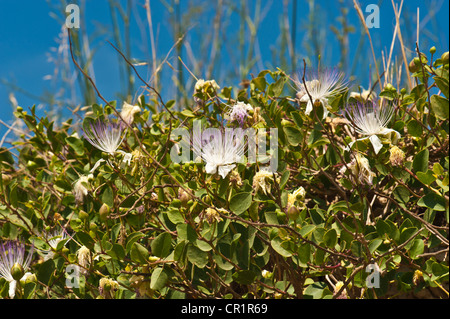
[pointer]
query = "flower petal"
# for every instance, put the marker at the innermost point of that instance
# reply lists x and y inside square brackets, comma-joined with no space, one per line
[376,143]
[225,169]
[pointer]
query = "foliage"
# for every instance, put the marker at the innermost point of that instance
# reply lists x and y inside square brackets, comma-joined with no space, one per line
[154,228]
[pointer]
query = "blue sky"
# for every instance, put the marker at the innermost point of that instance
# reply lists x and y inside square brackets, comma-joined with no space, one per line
[28,32]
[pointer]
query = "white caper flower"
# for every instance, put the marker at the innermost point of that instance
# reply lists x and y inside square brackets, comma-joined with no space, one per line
[321,86]
[128,112]
[370,119]
[220,149]
[13,264]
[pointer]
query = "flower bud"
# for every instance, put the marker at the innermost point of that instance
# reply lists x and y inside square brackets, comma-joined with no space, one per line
[183,197]
[433,50]
[17,271]
[413,67]
[5,178]
[293,212]
[389,87]
[104,212]
[93,227]
[444,57]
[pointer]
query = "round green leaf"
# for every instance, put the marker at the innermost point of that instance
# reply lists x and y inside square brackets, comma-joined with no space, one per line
[240,202]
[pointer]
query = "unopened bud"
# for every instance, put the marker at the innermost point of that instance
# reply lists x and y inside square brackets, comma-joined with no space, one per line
[17,271]
[6,178]
[444,57]
[104,212]
[433,50]
[183,197]
[293,213]
[413,67]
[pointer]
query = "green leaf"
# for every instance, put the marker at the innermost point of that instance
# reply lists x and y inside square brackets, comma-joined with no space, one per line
[108,196]
[442,84]
[244,277]
[175,216]
[416,249]
[117,252]
[297,119]
[304,253]
[277,244]
[420,163]
[330,238]
[86,239]
[260,83]
[186,232]
[374,244]
[187,113]
[132,238]
[414,128]
[306,230]
[197,256]
[294,135]
[76,144]
[223,264]
[433,201]
[139,253]
[240,202]
[426,178]
[158,279]
[440,106]
[161,245]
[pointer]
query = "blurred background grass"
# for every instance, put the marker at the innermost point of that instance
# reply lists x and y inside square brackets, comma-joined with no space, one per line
[225,40]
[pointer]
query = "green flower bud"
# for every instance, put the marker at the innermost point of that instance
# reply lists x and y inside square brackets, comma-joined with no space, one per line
[19,109]
[183,197]
[444,57]
[293,212]
[413,67]
[389,87]
[6,178]
[104,212]
[17,271]
[93,227]
[433,50]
